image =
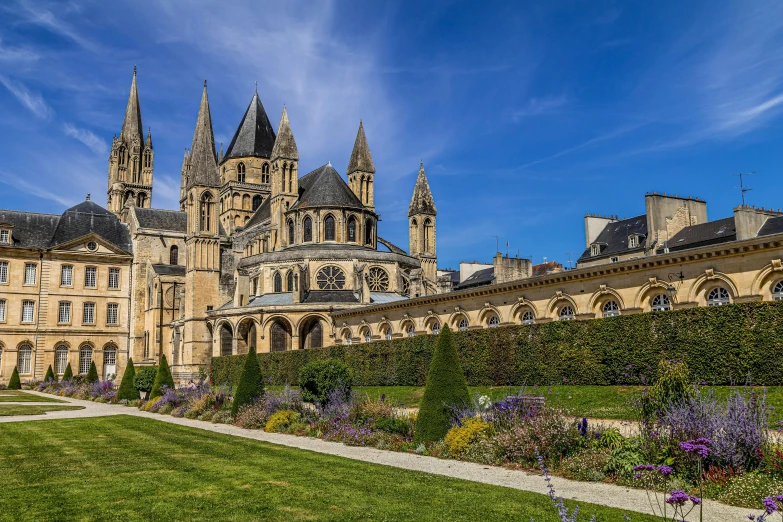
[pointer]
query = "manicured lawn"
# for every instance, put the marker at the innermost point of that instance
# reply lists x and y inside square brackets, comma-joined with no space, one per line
[7,410]
[20,396]
[129,468]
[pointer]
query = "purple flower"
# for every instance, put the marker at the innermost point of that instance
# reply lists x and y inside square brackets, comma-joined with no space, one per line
[770,505]
[677,498]
[665,470]
[696,500]
[699,446]
[644,467]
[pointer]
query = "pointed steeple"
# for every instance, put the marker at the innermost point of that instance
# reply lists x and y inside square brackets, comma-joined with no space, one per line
[148,142]
[254,136]
[361,159]
[422,201]
[202,161]
[131,125]
[285,146]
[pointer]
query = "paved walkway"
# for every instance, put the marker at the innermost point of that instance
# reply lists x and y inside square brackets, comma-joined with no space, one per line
[611,495]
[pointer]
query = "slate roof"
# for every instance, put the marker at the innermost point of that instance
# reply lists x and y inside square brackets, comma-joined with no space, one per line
[773,225]
[169,270]
[254,136]
[331,296]
[282,298]
[422,201]
[361,159]
[285,145]
[262,213]
[86,218]
[31,230]
[710,233]
[202,160]
[481,277]
[613,239]
[324,187]
[159,219]
[386,297]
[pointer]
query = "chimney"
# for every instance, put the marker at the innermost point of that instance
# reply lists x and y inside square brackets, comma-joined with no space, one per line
[511,268]
[594,225]
[748,220]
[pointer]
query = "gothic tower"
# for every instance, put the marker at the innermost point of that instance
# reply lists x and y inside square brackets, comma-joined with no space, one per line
[131,160]
[421,217]
[202,277]
[284,180]
[361,170]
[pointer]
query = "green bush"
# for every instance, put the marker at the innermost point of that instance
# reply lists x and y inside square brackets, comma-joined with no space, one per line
[251,383]
[68,373]
[162,378]
[144,379]
[318,379]
[617,350]
[15,383]
[92,373]
[126,390]
[446,388]
[50,375]
[672,387]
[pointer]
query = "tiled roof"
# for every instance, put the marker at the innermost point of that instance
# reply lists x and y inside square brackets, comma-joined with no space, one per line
[254,136]
[710,233]
[90,218]
[31,230]
[545,268]
[386,297]
[773,225]
[159,219]
[331,296]
[613,239]
[281,298]
[262,213]
[481,277]
[324,187]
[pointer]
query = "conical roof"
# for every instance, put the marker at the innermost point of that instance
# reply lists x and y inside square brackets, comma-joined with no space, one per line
[148,142]
[422,201]
[202,161]
[361,159]
[324,187]
[131,125]
[285,146]
[255,136]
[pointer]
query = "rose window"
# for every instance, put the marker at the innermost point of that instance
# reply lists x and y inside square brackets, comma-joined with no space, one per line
[378,280]
[330,278]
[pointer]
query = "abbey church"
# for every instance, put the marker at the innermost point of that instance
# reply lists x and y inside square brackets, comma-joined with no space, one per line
[260,255]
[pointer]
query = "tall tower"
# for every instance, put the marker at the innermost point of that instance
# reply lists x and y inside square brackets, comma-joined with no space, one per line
[421,217]
[131,160]
[202,277]
[361,170]
[284,180]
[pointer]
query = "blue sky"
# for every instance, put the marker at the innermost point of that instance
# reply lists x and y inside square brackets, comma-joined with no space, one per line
[527,116]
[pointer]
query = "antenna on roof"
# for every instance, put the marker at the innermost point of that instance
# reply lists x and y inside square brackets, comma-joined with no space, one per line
[497,244]
[569,260]
[743,188]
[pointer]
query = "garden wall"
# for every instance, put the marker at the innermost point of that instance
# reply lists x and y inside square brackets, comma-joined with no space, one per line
[722,345]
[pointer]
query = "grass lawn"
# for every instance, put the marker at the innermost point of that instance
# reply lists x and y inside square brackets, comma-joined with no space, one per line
[7,410]
[20,396]
[129,468]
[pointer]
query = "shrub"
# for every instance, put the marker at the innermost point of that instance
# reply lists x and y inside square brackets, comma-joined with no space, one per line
[15,383]
[549,433]
[144,379]
[445,389]
[162,378]
[50,375]
[672,388]
[398,425]
[586,465]
[92,373]
[68,374]
[127,390]
[280,420]
[460,437]
[251,384]
[318,379]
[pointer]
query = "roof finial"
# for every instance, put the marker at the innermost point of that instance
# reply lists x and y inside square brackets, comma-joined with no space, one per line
[134,69]
[205,83]
[256,86]
[330,163]
[88,197]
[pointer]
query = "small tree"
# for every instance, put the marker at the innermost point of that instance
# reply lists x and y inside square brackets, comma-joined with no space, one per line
[92,373]
[672,388]
[251,383]
[15,383]
[127,391]
[162,378]
[445,388]
[318,379]
[144,380]
[68,374]
[50,375]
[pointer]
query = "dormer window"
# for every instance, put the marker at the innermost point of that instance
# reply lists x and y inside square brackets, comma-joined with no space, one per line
[633,241]
[595,249]
[5,236]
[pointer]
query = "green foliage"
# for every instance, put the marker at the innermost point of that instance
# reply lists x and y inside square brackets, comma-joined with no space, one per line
[50,375]
[281,420]
[162,378]
[671,388]
[15,383]
[459,438]
[396,425]
[611,439]
[68,374]
[319,378]
[251,383]
[144,380]
[617,350]
[622,459]
[445,388]
[127,391]
[92,373]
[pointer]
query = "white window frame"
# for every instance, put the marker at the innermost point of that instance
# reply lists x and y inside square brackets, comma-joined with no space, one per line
[85,359]
[777,291]
[60,359]
[594,250]
[114,278]
[610,309]
[91,307]
[411,331]
[528,317]
[25,359]
[64,312]
[633,241]
[493,322]
[3,310]
[367,336]
[94,271]
[388,334]
[566,313]
[348,338]
[718,296]
[30,273]
[109,308]
[3,272]
[5,236]
[463,324]
[28,304]
[435,328]
[663,304]
[66,275]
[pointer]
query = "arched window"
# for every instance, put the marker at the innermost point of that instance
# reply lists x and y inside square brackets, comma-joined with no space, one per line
[313,334]
[241,172]
[718,296]
[278,282]
[121,156]
[329,228]
[23,366]
[777,291]
[660,303]
[351,229]
[85,359]
[610,309]
[280,336]
[493,322]
[110,361]
[435,328]
[367,335]
[411,331]
[368,232]
[308,229]
[463,324]
[528,317]
[566,313]
[256,202]
[386,331]
[174,255]
[330,278]
[378,279]
[142,199]
[290,231]
[206,212]
[347,337]
[289,280]
[60,359]
[265,173]
[226,340]
[282,179]
[428,235]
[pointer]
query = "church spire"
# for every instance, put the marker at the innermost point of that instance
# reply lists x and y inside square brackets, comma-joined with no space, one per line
[361,159]
[131,125]
[148,141]
[422,201]
[285,146]
[203,168]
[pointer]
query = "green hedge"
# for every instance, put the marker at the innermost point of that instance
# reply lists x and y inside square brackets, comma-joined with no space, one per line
[721,345]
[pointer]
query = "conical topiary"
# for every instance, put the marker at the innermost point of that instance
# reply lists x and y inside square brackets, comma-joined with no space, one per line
[127,390]
[162,378]
[92,373]
[50,375]
[251,383]
[446,388]
[68,374]
[15,383]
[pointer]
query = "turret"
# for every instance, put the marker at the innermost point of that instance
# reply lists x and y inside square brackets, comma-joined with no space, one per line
[284,178]
[361,170]
[421,218]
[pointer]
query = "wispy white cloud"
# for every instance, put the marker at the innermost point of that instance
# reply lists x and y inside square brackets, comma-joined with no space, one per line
[16,55]
[539,106]
[34,102]
[34,189]
[89,139]
[37,14]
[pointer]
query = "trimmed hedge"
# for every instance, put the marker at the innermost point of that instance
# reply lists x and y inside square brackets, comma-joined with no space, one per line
[721,345]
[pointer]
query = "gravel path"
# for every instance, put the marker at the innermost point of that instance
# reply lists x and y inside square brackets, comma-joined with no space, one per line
[611,495]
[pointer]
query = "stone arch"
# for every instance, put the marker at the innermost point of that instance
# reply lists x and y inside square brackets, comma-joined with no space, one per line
[559,300]
[246,202]
[346,334]
[430,321]
[486,311]
[406,324]
[456,317]
[766,277]
[647,291]
[226,336]
[385,329]
[311,331]
[365,333]
[709,280]
[520,307]
[280,334]
[600,296]
[247,334]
